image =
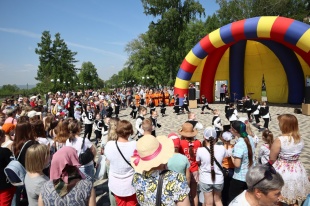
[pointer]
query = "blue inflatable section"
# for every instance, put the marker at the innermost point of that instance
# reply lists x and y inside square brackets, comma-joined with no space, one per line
[292,68]
[236,72]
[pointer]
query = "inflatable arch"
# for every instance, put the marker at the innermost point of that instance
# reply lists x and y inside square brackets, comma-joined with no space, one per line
[243,52]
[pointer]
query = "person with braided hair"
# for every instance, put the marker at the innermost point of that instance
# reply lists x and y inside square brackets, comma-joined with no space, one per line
[211,179]
[242,158]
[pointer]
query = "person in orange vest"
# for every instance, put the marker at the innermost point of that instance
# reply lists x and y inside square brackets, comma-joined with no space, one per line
[156,98]
[161,96]
[166,97]
[147,97]
[137,98]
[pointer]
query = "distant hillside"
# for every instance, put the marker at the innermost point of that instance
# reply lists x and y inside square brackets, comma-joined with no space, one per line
[23,86]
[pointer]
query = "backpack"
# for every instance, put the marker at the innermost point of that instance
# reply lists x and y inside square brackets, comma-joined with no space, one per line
[15,171]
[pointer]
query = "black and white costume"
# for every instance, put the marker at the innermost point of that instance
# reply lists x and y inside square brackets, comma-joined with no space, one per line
[185,104]
[134,110]
[88,120]
[154,125]
[205,103]
[162,108]
[139,129]
[216,122]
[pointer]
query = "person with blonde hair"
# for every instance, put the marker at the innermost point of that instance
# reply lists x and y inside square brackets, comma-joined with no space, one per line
[37,158]
[284,156]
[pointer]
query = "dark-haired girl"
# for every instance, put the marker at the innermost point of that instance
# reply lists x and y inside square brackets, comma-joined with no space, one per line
[242,158]
[81,145]
[211,179]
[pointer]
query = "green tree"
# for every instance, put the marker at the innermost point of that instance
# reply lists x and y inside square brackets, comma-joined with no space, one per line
[173,17]
[56,68]
[88,75]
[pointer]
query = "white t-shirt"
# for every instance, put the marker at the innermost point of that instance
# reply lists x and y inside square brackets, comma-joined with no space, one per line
[45,141]
[120,173]
[203,156]
[240,200]
[76,143]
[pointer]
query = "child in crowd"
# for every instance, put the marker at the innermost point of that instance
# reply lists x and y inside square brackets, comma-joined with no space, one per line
[154,123]
[88,119]
[216,122]
[98,128]
[178,162]
[264,151]
[134,110]
[228,166]
[189,146]
[264,113]
[211,179]
[162,107]
[231,113]
[185,104]
[205,104]
[140,118]
[255,110]
[37,158]
[152,105]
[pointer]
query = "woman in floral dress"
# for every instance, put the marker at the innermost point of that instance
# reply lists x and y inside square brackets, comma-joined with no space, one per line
[284,155]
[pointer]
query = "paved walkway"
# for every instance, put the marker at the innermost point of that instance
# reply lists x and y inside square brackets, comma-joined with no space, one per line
[172,123]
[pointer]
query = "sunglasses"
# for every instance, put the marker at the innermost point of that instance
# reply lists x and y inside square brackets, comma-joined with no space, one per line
[267,175]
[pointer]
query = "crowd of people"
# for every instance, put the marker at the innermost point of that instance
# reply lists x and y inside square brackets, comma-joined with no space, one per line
[144,168]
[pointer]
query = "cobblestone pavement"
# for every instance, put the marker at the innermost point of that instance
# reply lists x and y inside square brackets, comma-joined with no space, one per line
[172,123]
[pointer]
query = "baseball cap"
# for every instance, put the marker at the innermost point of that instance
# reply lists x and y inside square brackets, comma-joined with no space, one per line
[33,113]
[209,132]
[175,138]
[227,136]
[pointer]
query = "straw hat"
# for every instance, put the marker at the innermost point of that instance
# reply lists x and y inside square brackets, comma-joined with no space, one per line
[151,152]
[188,130]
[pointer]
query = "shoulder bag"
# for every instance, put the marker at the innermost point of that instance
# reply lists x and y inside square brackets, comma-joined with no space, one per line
[159,187]
[224,170]
[86,156]
[122,154]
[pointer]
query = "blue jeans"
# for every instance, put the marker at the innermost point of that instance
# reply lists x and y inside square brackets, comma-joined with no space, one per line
[88,171]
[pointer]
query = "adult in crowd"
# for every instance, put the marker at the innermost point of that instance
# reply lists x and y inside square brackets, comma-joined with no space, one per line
[37,158]
[118,152]
[67,184]
[150,163]
[264,187]
[62,134]
[81,144]
[284,155]
[8,129]
[242,158]
[6,189]
[23,137]
[211,179]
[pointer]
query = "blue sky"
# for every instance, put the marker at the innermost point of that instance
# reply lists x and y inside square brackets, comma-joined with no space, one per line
[97,29]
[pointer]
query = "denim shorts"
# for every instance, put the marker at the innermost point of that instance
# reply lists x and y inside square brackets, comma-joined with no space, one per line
[210,187]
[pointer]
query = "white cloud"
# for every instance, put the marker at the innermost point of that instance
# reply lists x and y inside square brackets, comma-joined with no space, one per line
[96,50]
[20,32]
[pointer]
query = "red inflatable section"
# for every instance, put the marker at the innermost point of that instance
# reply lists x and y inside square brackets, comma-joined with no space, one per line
[209,71]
